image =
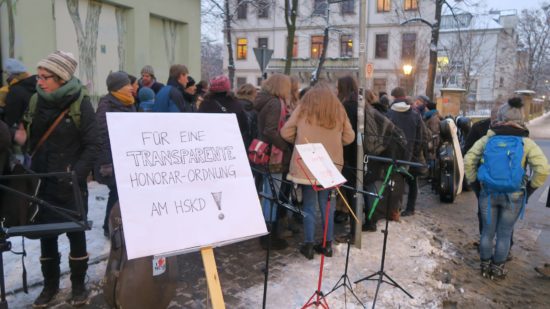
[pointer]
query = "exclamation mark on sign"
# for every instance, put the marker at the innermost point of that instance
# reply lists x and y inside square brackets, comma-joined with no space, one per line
[218,199]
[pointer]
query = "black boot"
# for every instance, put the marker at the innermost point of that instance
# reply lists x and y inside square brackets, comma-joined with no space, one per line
[276,242]
[50,271]
[79,266]
[326,251]
[307,250]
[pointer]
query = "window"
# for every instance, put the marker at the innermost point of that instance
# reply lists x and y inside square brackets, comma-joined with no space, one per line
[262,42]
[294,48]
[346,45]
[259,81]
[242,49]
[381,47]
[241,81]
[320,7]
[408,46]
[242,8]
[263,9]
[383,6]
[410,5]
[501,82]
[316,46]
[379,85]
[348,7]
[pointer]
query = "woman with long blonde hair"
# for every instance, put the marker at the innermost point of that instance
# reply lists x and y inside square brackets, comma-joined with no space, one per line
[271,104]
[319,118]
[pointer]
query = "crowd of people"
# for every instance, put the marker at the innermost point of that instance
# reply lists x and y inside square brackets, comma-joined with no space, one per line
[49,115]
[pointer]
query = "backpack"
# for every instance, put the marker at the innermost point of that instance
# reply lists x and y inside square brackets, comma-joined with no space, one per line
[163,103]
[74,109]
[501,171]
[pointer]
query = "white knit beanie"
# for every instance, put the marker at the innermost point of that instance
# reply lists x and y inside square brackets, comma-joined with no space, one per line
[62,64]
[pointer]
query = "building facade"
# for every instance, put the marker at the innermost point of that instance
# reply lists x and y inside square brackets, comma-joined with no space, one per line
[104,36]
[389,45]
[478,53]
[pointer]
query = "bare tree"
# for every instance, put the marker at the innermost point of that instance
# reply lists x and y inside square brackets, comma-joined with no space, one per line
[211,59]
[86,36]
[534,36]
[214,10]
[291,11]
[468,55]
[10,9]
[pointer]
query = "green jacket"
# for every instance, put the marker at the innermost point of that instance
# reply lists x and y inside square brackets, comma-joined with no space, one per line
[531,153]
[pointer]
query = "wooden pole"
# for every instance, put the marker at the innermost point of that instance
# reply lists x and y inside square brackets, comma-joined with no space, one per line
[212,278]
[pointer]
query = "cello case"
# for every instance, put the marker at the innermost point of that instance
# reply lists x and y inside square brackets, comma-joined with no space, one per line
[450,160]
[145,283]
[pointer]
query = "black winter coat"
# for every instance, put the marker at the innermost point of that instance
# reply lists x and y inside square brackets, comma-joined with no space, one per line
[350,151]
[68,148]
[410,123]
[214,102]
[17,100]
[107,104]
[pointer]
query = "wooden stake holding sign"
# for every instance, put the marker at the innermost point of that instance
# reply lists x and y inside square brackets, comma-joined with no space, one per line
[212,278]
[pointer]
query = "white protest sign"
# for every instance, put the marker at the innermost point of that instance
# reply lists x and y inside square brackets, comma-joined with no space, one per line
[184,182]
[319,163]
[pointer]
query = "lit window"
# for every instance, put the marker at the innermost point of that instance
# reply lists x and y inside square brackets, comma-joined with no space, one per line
[383,6]
[346,46]
[410,5]
[242,49]
[316,46]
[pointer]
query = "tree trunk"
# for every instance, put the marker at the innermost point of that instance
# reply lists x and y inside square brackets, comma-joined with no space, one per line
[433,51]
[11,29]
[86,38]
[291,30]
[230,60]
[315,78]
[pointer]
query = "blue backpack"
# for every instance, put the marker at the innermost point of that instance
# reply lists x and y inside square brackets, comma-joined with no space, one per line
[163,103]
[501,171]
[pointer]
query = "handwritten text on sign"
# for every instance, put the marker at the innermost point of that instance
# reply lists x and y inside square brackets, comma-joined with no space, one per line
[183,180]
[319,163]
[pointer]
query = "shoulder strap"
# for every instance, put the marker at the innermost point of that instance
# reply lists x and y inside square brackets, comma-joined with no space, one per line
[49,131]
[223,108]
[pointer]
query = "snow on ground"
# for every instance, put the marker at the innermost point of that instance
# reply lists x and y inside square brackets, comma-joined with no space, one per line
[410,261]
[98,248]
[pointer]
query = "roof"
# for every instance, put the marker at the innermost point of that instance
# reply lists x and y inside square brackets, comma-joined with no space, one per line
[467,21]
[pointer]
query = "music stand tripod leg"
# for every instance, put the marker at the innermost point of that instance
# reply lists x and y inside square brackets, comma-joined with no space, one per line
[380,273]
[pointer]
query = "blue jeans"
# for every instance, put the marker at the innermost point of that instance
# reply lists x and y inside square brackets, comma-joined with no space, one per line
[267,206]
[316,199]
[500,219]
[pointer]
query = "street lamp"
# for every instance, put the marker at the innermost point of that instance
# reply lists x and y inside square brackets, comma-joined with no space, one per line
[407,70]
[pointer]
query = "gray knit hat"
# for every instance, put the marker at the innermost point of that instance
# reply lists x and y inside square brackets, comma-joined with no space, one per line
[62,64]
[511,112]
[117,80]
[148,70]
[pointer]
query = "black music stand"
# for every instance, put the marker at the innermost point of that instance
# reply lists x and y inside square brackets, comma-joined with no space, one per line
[40,230]
[381,274]
[274,199]
[344,280]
